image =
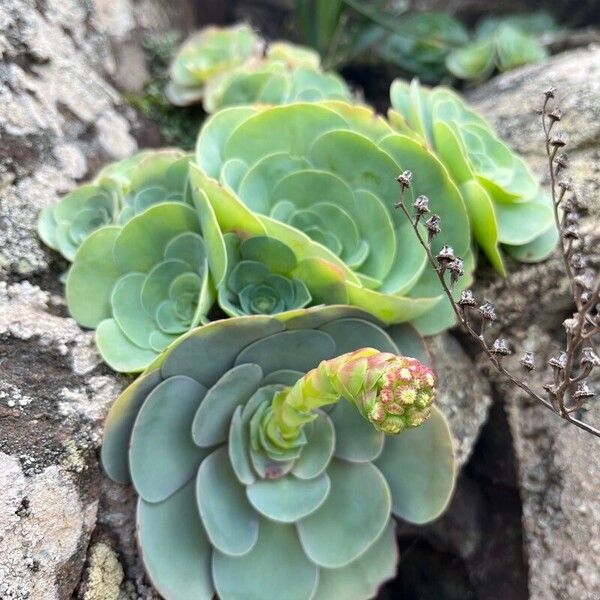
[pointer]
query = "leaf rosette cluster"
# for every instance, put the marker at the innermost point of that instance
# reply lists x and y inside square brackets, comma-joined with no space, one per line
[320,177]
[119,191]
[232,66]
[228,506]
[142,284]
[261,278]
[506,205]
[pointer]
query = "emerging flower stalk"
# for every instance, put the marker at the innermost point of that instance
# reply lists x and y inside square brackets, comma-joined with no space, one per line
[392,392]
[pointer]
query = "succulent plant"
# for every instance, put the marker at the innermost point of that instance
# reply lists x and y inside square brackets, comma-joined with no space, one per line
[260,277]
[501,43]
[273,81]
[252,471]
[120,190]
[285,73]
[206,54]
[421,43]
[505,203]
[141,284]
[325,186]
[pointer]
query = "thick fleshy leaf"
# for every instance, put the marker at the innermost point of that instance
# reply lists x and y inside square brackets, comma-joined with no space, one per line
[408,342]
[285,571]
[352,334]
[356,440]
[350,520]
[473,61]
[363,577]
[90,280]
[118,425]
[229,521]
[319,448]
[238,447]
[300,350]
[288,498]
[537,250]
[206,353]
[162,456]
[297,125]
[118,351]
[142,241]
[128,312]
[176,551]
[212,421]
[419,467]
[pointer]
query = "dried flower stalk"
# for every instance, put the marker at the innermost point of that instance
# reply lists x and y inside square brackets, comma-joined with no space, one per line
[567,389]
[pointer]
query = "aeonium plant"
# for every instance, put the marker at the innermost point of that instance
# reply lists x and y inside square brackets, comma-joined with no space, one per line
[506,206]
[321,178]
[142,284]
[209,52]
[259,448]
[287,73]
[120,190]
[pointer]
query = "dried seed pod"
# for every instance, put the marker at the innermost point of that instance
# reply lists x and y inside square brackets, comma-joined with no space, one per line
[433,226]
[487,311]
[500,348]
[528,361]
[467,300]
[421,205]
[571,232]
[583,391]
[445,256]
[558,362]
[555,115]
[589,357]
[457,270]
[557,141]
[405,180]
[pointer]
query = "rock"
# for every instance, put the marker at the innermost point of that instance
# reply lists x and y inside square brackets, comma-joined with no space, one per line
[60,120]
[463,394]
[558,464]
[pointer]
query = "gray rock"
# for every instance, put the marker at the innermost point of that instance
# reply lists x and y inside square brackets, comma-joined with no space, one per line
[463,394]
[558,465]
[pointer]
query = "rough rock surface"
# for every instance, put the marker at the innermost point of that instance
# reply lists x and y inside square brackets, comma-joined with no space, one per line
[558,465]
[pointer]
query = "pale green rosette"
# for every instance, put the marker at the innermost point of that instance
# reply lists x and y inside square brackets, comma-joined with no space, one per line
[506,206]
[205,55]
[120,191]
[321,178]
[235,506]
[288,73]
[141,285]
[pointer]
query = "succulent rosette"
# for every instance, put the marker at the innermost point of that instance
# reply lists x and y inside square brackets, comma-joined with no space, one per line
[321,178]
[142,284]
[260,278]
[120,190]
[506,205]
[206,54]
[288,73]
[257,447]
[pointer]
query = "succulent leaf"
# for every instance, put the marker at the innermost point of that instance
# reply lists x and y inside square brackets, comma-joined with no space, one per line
[177,553]
[279,511]
[422,496]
